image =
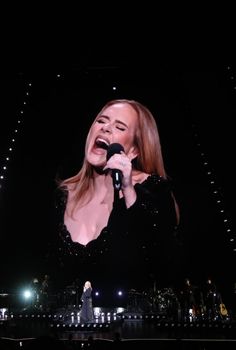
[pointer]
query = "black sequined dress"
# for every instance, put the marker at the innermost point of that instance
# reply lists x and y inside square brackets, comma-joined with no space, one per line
[138,247]
[86,312]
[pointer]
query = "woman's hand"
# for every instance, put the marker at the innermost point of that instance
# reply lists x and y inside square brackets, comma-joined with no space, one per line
[122,162]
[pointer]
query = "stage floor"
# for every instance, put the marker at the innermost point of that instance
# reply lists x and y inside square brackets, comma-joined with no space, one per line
[108,321]
[65,324]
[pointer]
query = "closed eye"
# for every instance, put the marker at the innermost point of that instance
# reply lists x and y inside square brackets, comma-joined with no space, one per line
[120,128]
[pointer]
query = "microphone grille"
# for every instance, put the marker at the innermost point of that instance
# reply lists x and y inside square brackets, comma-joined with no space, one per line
[114,148]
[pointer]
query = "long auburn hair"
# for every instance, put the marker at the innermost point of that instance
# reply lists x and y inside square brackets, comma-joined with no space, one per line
[147,141]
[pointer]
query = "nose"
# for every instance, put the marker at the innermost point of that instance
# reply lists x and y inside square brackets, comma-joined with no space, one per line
[106,127]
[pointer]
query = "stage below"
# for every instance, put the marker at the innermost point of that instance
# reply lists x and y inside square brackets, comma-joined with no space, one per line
[108,324]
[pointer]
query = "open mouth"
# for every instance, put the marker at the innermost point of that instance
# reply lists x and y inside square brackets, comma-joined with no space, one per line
[101,143]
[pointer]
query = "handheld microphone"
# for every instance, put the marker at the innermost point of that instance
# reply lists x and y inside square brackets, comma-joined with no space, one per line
[116,174]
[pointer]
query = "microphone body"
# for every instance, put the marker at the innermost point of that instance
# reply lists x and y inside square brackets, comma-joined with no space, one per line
[116,174]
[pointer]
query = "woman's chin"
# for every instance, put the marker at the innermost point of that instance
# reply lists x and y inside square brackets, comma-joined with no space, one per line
[97,161]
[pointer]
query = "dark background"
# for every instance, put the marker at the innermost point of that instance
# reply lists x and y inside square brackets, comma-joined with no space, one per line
[194,106]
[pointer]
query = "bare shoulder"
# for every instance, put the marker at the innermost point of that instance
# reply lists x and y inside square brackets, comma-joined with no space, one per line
[71,190]
[71,187]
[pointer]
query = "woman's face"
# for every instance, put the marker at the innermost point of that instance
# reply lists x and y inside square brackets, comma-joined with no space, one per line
[116,124]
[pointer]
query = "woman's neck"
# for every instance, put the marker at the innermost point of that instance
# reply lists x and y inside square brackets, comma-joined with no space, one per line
[101,180]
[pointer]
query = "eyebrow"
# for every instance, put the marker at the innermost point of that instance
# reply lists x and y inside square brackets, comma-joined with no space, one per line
[116,120]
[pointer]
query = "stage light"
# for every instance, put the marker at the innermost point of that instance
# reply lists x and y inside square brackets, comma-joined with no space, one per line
[97,311]
[27,294]
[120,310]
[3,312]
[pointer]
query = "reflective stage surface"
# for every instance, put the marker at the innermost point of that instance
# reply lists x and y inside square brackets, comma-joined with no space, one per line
[132,328]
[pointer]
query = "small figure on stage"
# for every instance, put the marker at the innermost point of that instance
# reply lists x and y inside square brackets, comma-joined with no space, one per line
[212,300]
[45,292]
[86,312]
[187,300]
[34,286]
[72,294]
[76,292]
